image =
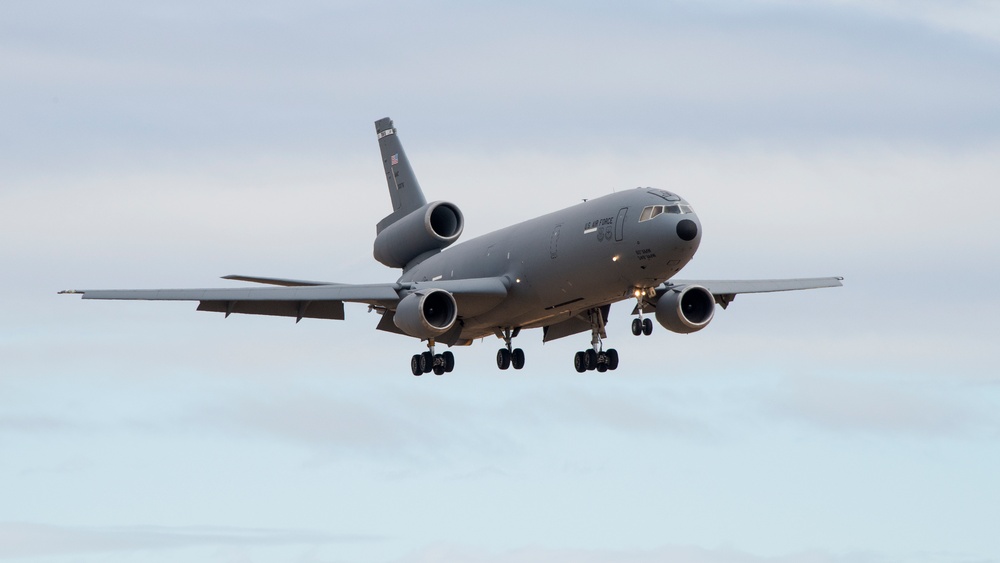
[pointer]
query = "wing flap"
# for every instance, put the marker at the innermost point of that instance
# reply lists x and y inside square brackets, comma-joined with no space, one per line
[333,310]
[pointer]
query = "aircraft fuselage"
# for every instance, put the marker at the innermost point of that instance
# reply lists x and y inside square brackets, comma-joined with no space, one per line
[560,264]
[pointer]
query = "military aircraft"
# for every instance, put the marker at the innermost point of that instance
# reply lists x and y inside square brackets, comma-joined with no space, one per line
[559,272]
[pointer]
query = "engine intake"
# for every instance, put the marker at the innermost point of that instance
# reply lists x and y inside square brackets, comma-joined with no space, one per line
[434,226]
[427,313]
[686,309]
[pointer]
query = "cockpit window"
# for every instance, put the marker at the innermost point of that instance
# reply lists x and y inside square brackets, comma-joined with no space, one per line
[651,211]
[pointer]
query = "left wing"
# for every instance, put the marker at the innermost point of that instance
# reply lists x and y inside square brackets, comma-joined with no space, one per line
[725,291]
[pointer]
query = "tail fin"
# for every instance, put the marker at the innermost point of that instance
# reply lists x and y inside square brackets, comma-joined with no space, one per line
[404,190]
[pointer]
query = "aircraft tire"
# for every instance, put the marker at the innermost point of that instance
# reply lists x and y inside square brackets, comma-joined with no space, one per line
[426,362]
[647,326]
[612,359]
[580,362]
[449,361]
[503,358]
[636,327]
[415,366]
[591,359]
[439,369]
[517,358]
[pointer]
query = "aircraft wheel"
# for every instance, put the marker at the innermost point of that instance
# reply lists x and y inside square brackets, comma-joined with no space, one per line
[503,358]
[438,369]
[449,361]
[426,362]
[612,359]
[591,359]
[517,358]
[415,366]
[636,327]
[580,362]
[647,326]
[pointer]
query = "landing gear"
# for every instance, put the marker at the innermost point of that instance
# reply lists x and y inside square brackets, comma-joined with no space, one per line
[517,358]
[600,361]
[503,358]
[642,325]
[596,358]
[427,362]
[508,356]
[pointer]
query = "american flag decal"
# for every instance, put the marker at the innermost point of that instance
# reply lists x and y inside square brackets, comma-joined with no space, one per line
[395,159]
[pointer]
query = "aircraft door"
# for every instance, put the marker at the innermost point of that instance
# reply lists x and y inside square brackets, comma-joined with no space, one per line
[620,224]
[554,244]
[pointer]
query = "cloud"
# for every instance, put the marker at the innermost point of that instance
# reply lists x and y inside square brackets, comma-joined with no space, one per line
[32,423]
[687,554]
[976,18]
[23,539]
[887,405]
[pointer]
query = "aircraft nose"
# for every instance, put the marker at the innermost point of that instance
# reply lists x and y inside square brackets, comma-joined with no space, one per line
[687,230]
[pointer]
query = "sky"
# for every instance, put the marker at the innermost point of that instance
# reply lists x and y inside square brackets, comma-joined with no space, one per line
[147,145]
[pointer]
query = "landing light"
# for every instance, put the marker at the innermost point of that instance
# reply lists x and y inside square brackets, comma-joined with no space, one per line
[614,258]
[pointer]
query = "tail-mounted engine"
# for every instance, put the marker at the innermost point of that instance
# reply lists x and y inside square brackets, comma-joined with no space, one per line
[430,228]
[427,313]
[685,309]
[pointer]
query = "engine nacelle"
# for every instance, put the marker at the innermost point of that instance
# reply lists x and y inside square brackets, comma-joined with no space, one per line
[427,313]
[686,309]
[432,227]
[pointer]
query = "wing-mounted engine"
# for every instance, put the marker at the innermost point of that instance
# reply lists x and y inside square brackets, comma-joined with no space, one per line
[427,313]
[419,234]
[685,309]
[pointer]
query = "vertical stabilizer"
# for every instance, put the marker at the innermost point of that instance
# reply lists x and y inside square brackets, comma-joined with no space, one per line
[404,190]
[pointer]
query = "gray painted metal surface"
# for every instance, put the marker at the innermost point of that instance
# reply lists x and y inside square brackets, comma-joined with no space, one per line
[552,271]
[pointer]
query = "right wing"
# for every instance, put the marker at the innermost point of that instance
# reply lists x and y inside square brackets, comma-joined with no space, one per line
[315,301]
[301,299]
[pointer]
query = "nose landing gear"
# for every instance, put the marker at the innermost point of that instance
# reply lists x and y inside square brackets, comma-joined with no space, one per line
[427,362]
[642,325]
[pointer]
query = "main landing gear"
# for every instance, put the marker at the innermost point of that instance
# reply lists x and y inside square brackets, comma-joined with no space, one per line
[596,357]
[642,325]
[507,357]
[427,362]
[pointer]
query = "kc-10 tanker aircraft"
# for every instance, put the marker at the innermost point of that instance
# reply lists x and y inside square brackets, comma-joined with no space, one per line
[559,272]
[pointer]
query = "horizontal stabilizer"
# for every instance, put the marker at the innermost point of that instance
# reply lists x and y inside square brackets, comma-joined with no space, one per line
[274,281]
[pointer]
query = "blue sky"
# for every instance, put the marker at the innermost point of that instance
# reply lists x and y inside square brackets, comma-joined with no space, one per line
[165,146]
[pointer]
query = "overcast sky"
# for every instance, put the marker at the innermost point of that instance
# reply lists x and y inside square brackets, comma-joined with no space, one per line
[167,144]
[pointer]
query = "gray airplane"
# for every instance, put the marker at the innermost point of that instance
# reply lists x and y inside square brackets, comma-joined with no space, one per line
[559,272]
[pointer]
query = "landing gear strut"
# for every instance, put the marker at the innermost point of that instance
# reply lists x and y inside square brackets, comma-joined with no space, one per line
[507,356]
[427,362]
[596,357]
[641,325]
